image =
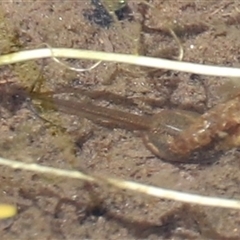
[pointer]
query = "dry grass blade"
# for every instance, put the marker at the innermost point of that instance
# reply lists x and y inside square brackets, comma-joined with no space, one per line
[137,187]
[121,58]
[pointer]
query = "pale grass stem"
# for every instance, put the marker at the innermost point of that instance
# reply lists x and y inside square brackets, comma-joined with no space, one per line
[121,58]
[128,185]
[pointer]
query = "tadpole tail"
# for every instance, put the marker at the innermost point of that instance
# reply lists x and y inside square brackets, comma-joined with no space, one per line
[100,115]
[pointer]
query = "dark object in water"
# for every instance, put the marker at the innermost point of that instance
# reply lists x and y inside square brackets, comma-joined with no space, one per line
[102,15]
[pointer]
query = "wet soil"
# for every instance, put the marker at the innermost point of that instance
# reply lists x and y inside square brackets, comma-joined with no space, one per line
[56,208]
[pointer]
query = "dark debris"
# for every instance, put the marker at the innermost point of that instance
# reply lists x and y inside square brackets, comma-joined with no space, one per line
[100,15]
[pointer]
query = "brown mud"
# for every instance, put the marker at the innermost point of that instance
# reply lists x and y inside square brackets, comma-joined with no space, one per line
[56,208]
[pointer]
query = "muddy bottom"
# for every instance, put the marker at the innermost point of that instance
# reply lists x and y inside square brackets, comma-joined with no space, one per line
[55,208]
